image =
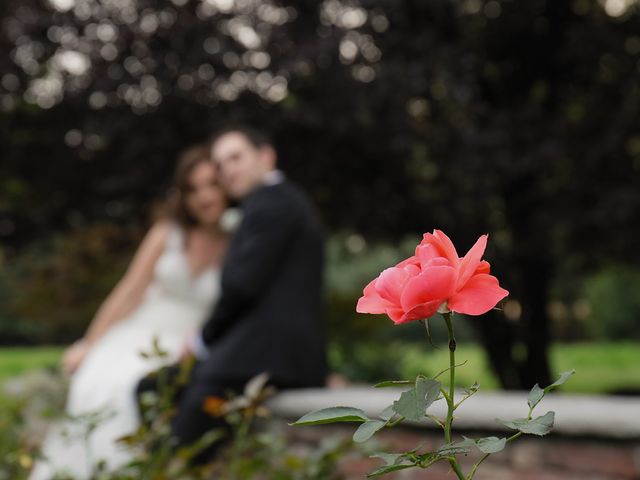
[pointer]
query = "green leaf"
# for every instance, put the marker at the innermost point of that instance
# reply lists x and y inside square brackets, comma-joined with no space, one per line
[426,458]
[388,469]
[367,430]
[392,463]
[535,395]
[538,426]
[387,413]
[332,415]
[392,383]
[389,458]
[485,445]
[456,448]
[491,444]
[433,391]
[472,389]
[564,376]
[413,403]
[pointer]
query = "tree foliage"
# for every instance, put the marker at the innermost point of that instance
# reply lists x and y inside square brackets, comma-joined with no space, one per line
[514,118]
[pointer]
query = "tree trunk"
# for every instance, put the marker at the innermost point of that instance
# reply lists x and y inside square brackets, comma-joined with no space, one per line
[536,323]
[498,338]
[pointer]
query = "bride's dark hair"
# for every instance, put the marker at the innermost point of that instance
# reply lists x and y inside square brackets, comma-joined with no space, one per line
[175,207]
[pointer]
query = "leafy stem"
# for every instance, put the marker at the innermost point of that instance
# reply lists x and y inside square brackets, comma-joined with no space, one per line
[448,368]
[475,466]
[468,393]
[394,422]
[516,435]
[437,420]
[445,394]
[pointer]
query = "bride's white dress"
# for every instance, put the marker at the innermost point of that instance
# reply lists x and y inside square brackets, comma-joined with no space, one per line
[175,304]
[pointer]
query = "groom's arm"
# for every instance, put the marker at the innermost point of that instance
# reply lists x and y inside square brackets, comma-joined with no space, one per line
[253,260]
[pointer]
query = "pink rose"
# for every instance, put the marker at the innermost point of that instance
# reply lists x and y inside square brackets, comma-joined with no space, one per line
[434,280]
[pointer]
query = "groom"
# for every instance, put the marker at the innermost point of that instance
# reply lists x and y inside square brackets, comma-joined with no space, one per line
[269,316]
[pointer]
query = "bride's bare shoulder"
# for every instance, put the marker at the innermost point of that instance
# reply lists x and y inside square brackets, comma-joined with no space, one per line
[158,233]
[141,267]
[161,227]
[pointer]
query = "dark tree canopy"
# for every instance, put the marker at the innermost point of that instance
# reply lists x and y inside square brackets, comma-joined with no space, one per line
[515,118]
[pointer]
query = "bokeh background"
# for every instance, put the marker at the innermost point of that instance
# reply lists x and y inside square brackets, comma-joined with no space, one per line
[520,119]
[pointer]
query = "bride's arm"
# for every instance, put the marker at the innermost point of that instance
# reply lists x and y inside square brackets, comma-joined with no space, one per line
[126,295]
[128,292]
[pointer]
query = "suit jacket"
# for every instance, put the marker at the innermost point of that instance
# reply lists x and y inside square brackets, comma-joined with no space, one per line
[270,313]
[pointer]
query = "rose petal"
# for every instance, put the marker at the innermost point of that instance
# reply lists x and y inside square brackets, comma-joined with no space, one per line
[421,312]
[412,269]
[427,252]
[391,282]
[437,262]
[395,314]
[413,260]
[435,283]
[483,267]
[480,294]
[447,245]
[442,244]
[371,305]
[471,260]
[371,302]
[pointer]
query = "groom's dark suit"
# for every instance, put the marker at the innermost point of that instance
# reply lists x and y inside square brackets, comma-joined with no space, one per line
[270,314]
[269,317]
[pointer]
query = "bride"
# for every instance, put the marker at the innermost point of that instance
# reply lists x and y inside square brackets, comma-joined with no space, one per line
[169,288]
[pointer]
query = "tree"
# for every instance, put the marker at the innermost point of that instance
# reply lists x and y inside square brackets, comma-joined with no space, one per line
[518,119]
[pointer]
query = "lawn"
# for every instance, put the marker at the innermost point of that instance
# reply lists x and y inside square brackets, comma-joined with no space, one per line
[601,367]
[14,361]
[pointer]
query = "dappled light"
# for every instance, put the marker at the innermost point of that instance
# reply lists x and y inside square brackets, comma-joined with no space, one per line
[117,51]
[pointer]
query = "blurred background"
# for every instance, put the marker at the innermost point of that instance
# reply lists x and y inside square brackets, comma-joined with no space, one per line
[517,119]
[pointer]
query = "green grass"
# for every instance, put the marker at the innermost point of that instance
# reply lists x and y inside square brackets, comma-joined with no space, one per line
[430,361]
[15,361]
[601,367]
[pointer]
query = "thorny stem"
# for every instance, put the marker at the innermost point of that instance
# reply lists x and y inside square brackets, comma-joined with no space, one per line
[450,396]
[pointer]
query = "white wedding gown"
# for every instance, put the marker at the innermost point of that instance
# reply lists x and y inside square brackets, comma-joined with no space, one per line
[175,304]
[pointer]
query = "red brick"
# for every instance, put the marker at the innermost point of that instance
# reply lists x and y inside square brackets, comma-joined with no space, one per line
[616,462]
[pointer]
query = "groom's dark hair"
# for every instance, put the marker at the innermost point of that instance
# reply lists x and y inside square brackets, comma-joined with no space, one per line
[257,138]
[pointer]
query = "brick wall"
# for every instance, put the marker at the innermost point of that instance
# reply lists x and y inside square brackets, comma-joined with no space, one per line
[528,458]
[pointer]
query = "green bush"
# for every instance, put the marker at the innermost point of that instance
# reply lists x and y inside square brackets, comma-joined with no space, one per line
[614,303]
[52,288]
[27,405]
[260,449]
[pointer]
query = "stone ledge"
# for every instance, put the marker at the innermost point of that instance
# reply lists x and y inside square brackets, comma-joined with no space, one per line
[611,417]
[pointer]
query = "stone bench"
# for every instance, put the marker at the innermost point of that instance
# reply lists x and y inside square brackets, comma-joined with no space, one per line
[613,417]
